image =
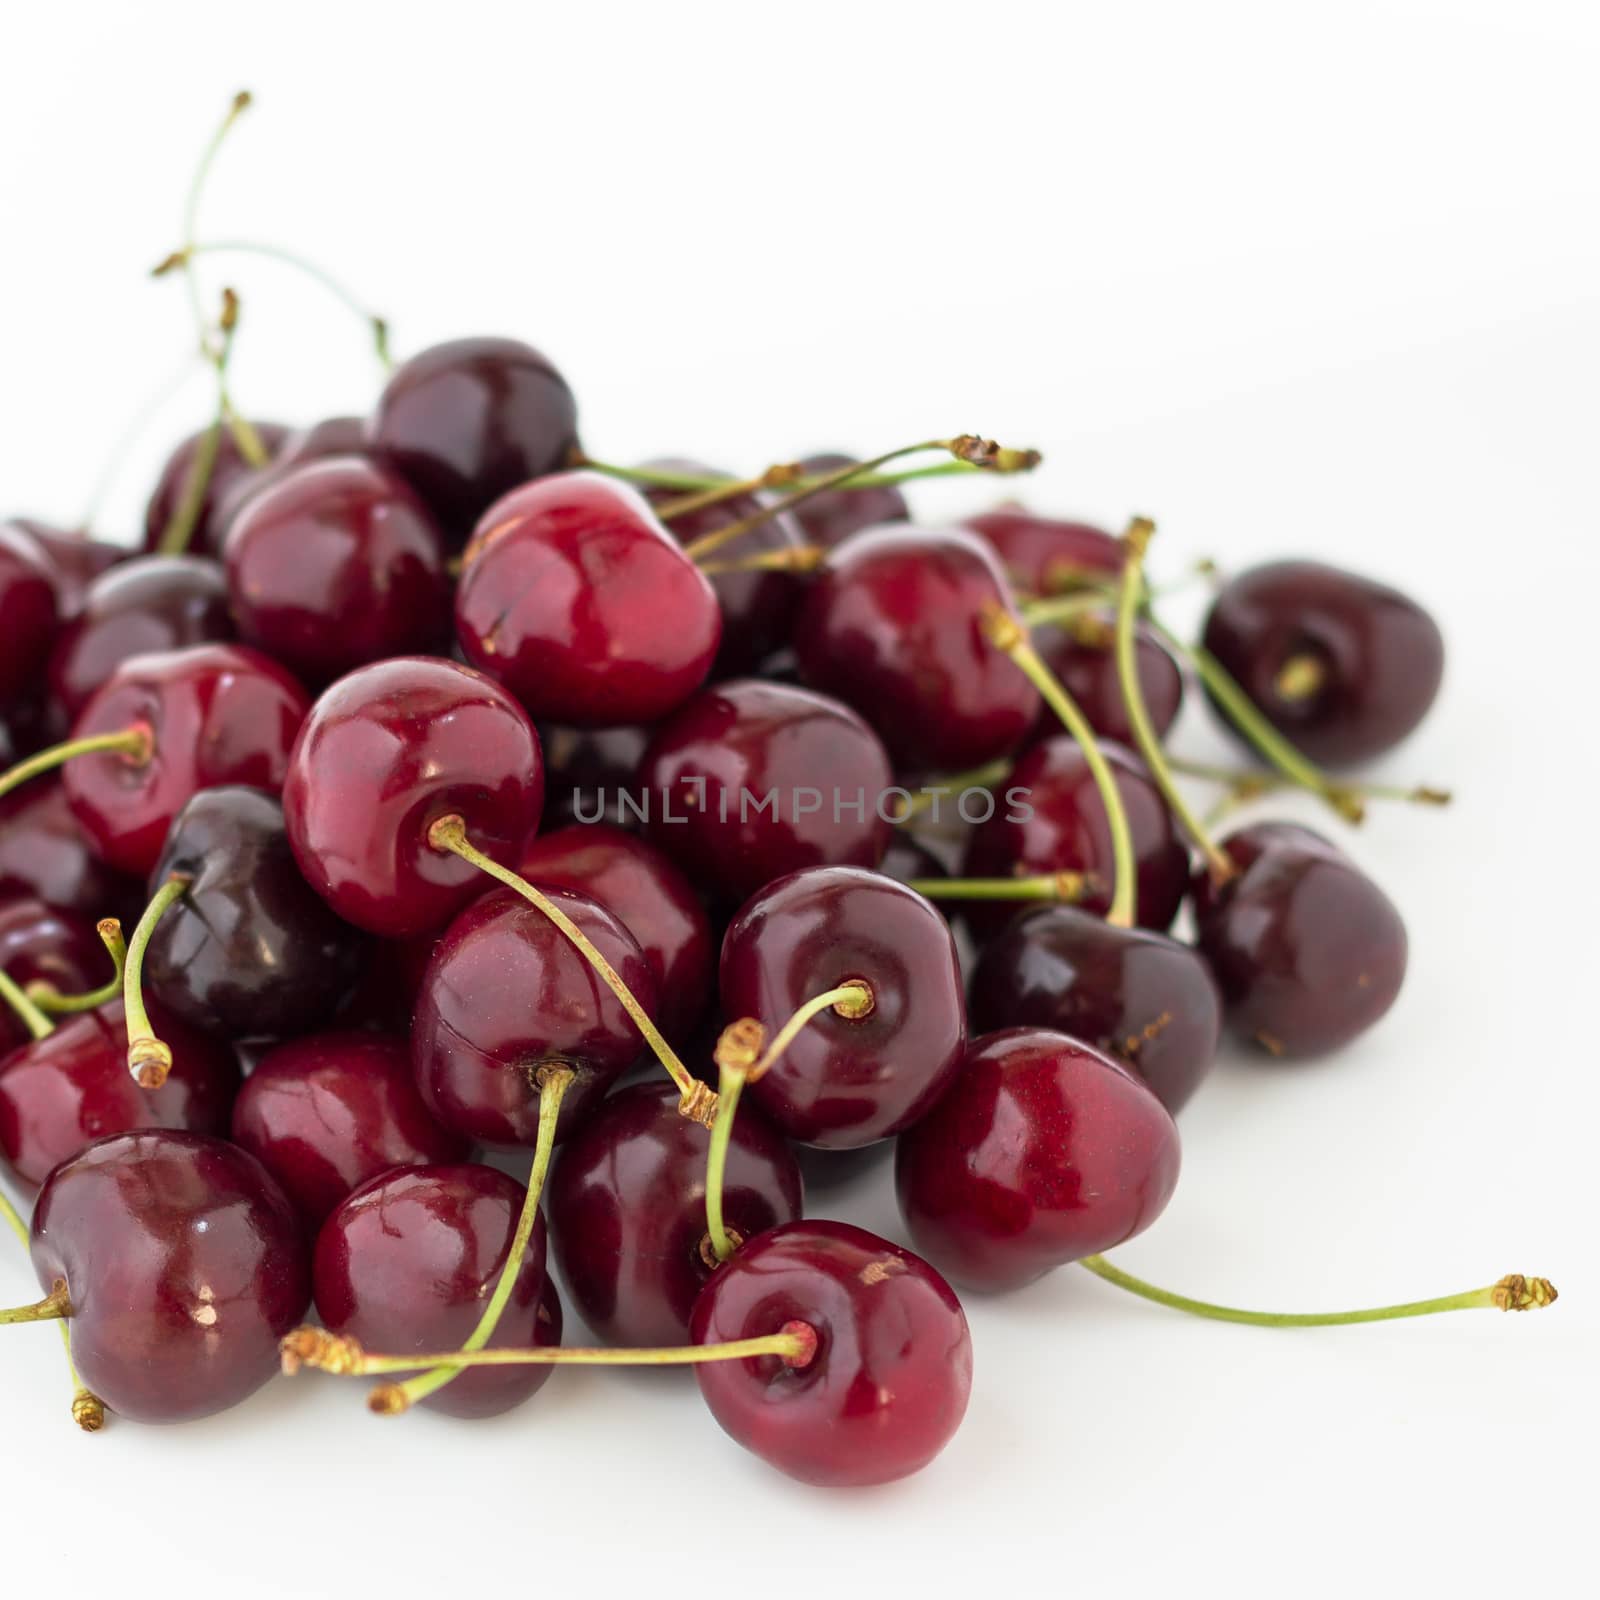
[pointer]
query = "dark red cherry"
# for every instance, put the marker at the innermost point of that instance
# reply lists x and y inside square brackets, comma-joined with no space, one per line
[1043,1152]
[249,949]
[627,1205]
[466,422]
[147,604]
[43,852]
[576,598]
[1308,951]
[73,560]
[61,1093]
[184,1264]
[28,613]
[1056,822]
[1137,995]
[751,780]
[230,468]
[1344,666]
[384,754]
[505,994]
[894,625]
[842,1082]
[907,860]
[42,943]
[216,714]
[591,775]
[1046,555]
[888,1384]
[652,899]
[1085,661]
[831,517]
[409,1261]
[325,1113]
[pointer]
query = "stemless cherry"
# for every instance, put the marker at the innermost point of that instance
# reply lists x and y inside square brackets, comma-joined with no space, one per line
[751,780]
[325,1113]
[831,517]
[41,943]
[1086,664]
[28,614]
[184,1266]
[407,1262]
[228,471]
[1044,1150]
[43,853]
[1308,951]
[1047,555]
[73,560]
[383,755]
[467,421]
[576,598]
[1148,1000]
[1343,666]
[847,1081]
[627,1206]
[895,626]
[887,1384]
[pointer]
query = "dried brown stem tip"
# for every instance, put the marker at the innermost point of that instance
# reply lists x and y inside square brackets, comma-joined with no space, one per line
[149,1060]
[1140,531]
[992,457]
[178,258]
[229,319]
[88,1411]
[316,1347]
[388,1400]
[1517,1293]
[699,1104]
[740,1044]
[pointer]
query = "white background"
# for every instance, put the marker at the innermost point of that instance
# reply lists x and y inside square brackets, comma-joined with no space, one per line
[1293,279]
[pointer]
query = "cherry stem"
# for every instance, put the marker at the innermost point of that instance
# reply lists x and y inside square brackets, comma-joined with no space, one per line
[698,1101]
[693,482]
[1511,1293]
[1064,888]
[53,1307]
[137,743]
[48,999]
[31,1017]
[984,777]
[799,558]
[1063,611]
[149,1059]
[1008,634]
[1245,784]
[731,1079]
[1135,542]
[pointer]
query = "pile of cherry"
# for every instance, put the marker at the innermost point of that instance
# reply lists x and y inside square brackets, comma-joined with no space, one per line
[451,784]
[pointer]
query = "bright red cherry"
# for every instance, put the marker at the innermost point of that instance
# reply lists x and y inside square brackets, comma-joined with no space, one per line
[1043,1151]
[28,614]
[43,853]
[831,517]
[184,1265]
[1086,665]
[383,755]
[73,560]
[1046,555]
[888,1383]
[229,470]
[41,943]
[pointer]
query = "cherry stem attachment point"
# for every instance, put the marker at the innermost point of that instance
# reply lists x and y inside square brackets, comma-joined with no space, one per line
[137,743]
[1062,888]
[149,1059]
[51,1001]
[54,1306]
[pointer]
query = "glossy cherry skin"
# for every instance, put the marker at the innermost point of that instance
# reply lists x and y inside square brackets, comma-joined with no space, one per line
[844,1083]
[576,598]
[325,1113]
[1141,997]
[1381,655]
[249,949]
[1067,831]
[43,852]
[709,771]
[73,560]
[44,943]
[1086,664]
[467,421]
[1047,555]
[591,775]
[147,604]
[409,1261]
[385,753]
[831,517]
[216,713]
[60,1093]
[1044,1151]
[505,994]
[649,895]
[28,615]
[1308,951]
[230,469]
[894,625]
[627,1208]
[336,565]
[184,1264]
[889,1382]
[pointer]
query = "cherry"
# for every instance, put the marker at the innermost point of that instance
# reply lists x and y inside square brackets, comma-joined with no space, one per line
[228,471]
[751,780]
[1344,666]
[62,1092]
[830,518]
[627,1204]
[847,1079]
[28,613]
[887,1384]
[1059,825]
[43,852]
[649,895]
[249,948]
[384,753]
[334,436]
[325,1113]
[407,1261]
[147,604]
[335,565]
[1045,555]
[45,944]
[895,626]
[590,775]
[576,598]
[1043,1151]
[1085,662]
[1139,996]
[183,1264]
[506,994]
[467,421]
[73,560]
[1308,951]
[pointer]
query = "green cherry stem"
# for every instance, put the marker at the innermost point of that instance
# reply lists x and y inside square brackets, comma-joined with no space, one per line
[149,1059]
[693,483]
[52,1308]
[799,558]
[1511,1293]
[1250,784]
[136,743]
[50,1000]
[987,776]
[29,1014]
[1062,888]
